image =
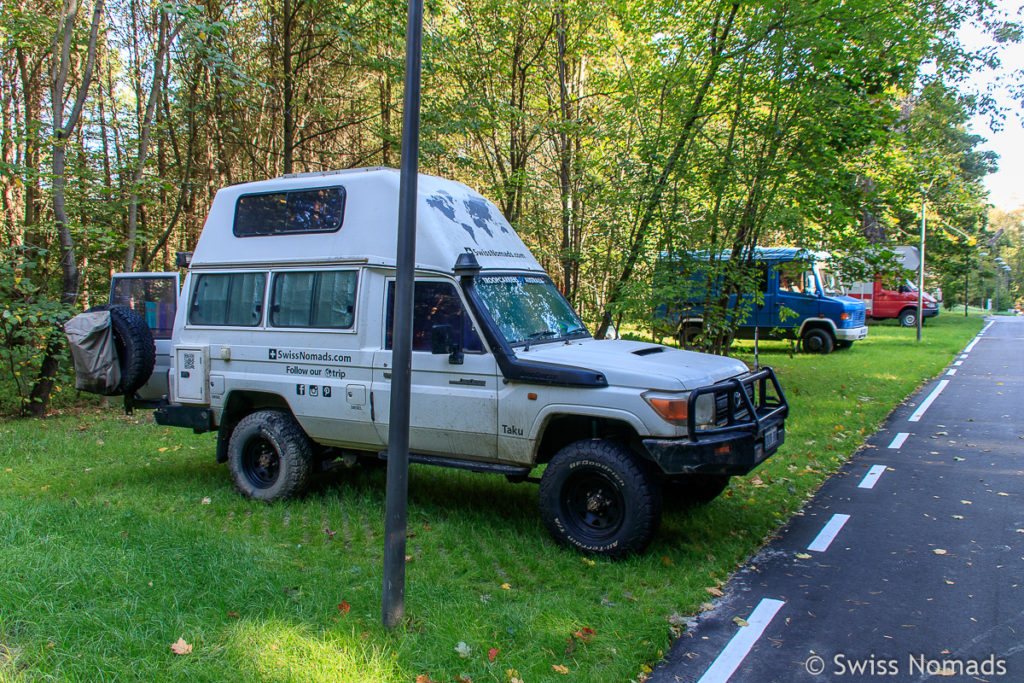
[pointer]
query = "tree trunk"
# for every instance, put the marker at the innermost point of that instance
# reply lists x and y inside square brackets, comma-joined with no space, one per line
[40,395]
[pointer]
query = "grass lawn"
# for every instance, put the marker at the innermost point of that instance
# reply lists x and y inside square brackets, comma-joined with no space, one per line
[118,537]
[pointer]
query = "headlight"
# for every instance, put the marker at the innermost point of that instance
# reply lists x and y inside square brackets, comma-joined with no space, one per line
[674,408]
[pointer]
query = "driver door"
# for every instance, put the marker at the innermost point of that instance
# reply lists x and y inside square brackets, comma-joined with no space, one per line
[453,406]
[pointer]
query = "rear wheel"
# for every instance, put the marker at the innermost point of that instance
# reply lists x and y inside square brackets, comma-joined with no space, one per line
[269,456]
[597,497]
[688,335]
[817,340]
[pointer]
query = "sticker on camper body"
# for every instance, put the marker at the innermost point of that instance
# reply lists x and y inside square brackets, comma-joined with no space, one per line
[308,356]
[334,373]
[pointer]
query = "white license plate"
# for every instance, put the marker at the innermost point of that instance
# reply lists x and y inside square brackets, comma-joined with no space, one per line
[771,437]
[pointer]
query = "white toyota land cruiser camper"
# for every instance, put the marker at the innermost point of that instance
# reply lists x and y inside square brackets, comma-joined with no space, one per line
[282,344]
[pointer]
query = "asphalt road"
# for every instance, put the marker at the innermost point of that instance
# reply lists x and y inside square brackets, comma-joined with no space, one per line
[908,564]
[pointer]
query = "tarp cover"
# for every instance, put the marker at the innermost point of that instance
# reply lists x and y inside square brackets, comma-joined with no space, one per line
[91,338]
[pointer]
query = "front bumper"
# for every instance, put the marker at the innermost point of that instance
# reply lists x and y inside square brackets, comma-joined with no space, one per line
[930,312]
[852,333]
[751,414]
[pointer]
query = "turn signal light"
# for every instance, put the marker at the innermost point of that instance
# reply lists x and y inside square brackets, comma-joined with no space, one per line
[673,410]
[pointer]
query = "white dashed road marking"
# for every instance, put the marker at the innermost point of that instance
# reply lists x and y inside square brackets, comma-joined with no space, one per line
[871,478]
[825,537]
[951,372]
[898,441]
[732,656]
[916,417]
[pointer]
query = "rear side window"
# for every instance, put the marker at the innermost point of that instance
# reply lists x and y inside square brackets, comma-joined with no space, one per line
[154,297]
[289,213]
[228,299]
[314,299]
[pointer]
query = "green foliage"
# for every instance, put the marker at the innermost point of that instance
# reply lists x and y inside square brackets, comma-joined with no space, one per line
[28,322]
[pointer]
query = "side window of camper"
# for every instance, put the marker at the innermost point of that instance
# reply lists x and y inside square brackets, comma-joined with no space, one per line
[314,299]
[227,299]
[289,213]
[434,303]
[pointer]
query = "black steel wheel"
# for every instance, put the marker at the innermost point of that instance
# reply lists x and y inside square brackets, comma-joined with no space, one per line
[599,498]
[817,340]
[269,456]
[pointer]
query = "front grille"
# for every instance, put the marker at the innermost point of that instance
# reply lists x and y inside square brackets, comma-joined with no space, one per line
[857,318]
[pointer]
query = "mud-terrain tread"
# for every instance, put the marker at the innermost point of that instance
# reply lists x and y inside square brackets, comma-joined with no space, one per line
[136,350]
[293,448]
[640,490]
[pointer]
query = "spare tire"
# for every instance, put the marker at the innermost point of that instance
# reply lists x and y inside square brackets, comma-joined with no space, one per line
[136,350]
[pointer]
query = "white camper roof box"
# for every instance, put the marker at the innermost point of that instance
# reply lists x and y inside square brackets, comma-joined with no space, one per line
[451,219]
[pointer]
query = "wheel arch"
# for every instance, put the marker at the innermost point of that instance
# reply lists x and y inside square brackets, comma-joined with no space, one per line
[559,427]
[237,405]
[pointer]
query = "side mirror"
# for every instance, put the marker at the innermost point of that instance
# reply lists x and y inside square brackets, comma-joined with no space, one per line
[441,342]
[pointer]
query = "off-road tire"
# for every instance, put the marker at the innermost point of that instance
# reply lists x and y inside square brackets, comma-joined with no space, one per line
[908,317]
[270,456]
[136,350]
[817,340]
[689,490]
[599,498]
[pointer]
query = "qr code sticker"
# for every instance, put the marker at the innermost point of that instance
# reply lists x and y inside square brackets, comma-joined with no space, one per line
[190,361]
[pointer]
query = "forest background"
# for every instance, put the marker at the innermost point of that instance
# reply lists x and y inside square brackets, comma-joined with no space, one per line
[607,132]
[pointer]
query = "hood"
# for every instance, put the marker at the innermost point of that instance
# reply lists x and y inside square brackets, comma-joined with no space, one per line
[655,366]
[849,303]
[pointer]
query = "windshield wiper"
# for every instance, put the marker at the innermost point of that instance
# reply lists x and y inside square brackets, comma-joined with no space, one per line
[538,335]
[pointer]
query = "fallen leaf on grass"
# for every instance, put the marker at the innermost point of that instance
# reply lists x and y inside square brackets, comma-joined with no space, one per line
[344,607]
[181,647]
[492,654]
[233,614]
[463,650]
[586,634]
[560,669]
[206,501]
[740,621]
[506,586]
[667,561]
[423,678]
[162,449]
[463,678]
[717,592]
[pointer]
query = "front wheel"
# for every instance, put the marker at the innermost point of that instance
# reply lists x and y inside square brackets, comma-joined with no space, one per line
[597,497]
[817,341]
[269,456]
[908,317]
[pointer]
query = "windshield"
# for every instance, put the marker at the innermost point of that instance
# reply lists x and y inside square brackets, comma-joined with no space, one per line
[829,281]
[529,308]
